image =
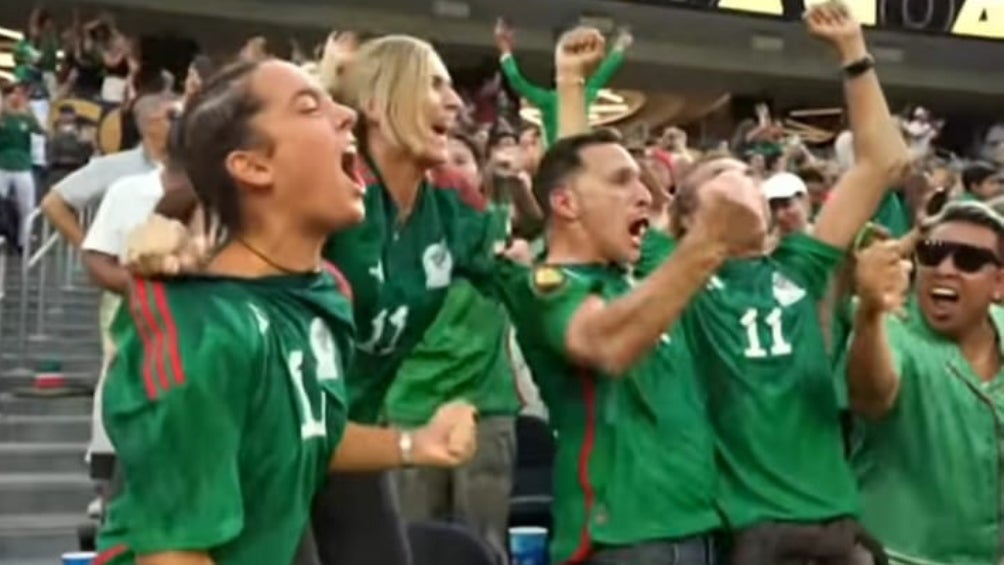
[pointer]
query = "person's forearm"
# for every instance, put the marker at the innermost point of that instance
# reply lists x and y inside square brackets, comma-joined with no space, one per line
[179,204]
[63,218]
[626,328]
[872,380]
[367,448]
[877,140]
[573,115]
[106,272]
[175,558]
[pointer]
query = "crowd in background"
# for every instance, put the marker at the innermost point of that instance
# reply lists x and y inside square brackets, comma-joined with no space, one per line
[492,151]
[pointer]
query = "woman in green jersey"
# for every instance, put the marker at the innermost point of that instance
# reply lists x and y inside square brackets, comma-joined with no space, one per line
[226,402]
[421,230]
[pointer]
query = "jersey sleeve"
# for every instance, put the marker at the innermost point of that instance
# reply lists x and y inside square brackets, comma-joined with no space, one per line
[809,260]
[175,403]
[551,298]
[479,233]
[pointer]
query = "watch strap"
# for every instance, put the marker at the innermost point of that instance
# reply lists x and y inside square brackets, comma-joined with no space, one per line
[859,67]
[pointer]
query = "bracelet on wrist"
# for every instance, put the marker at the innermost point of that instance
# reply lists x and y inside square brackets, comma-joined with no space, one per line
[406,447]
[857,68]
[570,81]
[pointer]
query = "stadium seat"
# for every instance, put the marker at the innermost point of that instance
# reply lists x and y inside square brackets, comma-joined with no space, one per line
[530,503]
[441,543]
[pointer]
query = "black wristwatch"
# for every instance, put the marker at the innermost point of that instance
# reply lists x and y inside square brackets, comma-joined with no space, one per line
[859,67]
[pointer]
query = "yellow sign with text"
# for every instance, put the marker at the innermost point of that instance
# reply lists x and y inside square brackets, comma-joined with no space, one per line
[977,18]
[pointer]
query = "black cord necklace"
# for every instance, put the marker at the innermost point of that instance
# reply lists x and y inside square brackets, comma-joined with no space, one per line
[261,255]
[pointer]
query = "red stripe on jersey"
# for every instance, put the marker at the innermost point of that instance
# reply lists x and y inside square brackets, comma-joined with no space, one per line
[156,352]
[137,299]
[340,280]
[164,310]
[109,554]
[585,454]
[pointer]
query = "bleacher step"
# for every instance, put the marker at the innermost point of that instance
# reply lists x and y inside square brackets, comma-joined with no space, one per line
[45,493]
[42,457]
[34,539]
[45,429]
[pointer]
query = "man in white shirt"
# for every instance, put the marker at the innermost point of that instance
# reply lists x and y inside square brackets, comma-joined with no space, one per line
[126,205]
[88,185]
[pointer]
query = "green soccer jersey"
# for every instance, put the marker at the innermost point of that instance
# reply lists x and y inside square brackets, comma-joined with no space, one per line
[464,354]
[400,272]
[930,470]
[635,459]
[761,348]
[15,141]
[893,214]
[225,404]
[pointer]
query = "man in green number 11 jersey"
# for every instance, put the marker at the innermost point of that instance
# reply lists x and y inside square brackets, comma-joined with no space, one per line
[756,330]
[635,474]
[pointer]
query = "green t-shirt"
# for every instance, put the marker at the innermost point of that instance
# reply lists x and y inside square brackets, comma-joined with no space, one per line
[892,214]
[400,274]
[930,471]
[966,196]
[463,354]
[225,404]
[15,141]
[758,338]
[635,459]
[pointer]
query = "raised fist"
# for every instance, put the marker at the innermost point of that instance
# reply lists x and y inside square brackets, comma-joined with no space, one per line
[882,276]
[163,247]
[623,39]
[733,213]
[834,23]
[578,52]
[505,39]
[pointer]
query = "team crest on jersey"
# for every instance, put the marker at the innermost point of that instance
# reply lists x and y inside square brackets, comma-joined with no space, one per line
[547,279]
[438,264]
[786,292]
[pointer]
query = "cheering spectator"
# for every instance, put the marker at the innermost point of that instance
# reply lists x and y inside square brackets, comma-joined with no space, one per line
[35,55]
[981,182]
[929,383]
[547,100]
[88,185]
[17,124]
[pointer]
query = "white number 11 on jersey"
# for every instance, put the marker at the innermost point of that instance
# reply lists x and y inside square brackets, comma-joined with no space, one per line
[779,345]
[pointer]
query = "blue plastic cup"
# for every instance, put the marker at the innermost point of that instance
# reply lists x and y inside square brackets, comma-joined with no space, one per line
[79,558]
[528,545]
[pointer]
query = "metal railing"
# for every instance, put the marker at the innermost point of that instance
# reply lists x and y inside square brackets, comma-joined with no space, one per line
[33,259]
[3,281]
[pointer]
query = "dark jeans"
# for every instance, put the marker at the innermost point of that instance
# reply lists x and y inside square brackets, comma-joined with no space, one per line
[689,551]
[356,522]
[838,542]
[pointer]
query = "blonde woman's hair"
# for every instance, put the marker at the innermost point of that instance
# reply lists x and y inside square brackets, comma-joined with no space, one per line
[388,76]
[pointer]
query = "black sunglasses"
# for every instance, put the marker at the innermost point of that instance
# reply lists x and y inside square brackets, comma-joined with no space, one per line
[967,258]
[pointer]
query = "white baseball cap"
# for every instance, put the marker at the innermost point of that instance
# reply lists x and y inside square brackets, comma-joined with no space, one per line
[784,185]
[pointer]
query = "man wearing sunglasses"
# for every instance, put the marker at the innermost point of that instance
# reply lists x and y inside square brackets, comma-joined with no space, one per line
[930,387]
